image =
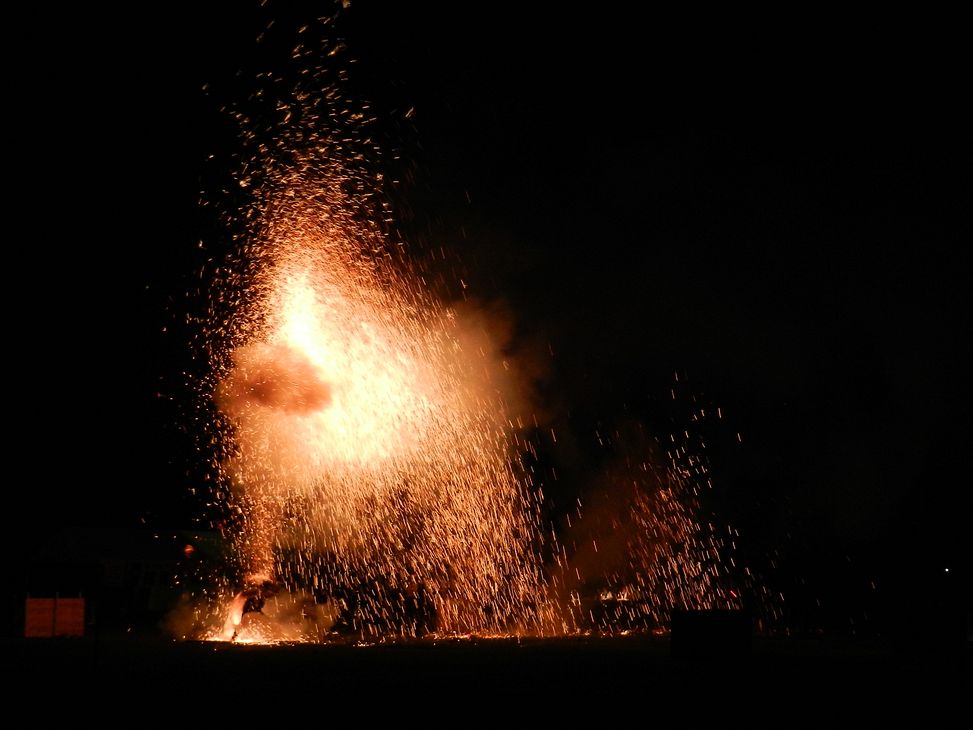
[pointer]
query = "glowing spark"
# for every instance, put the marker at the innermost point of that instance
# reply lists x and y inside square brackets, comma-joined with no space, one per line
[367,447]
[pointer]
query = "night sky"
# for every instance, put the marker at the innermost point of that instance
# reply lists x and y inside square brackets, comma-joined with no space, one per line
[776,209]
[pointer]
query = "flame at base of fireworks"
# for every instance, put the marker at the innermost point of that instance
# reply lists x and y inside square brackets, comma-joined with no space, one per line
[261,616]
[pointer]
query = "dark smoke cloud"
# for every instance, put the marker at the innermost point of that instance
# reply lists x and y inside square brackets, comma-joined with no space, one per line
[515,366]
[273,376]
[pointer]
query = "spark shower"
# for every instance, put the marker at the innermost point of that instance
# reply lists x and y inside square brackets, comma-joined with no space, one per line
[365,438]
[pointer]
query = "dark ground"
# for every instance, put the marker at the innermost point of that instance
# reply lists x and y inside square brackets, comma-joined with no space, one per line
[618,679]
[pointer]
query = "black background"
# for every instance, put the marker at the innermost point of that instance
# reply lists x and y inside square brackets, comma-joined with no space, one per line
[775,207]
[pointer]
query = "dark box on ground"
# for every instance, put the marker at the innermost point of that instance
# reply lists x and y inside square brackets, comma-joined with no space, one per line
[711,633]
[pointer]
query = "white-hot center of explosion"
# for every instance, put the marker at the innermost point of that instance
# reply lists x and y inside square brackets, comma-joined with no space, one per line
[335,385]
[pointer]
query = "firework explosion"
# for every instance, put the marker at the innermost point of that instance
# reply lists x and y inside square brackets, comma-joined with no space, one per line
[367,446]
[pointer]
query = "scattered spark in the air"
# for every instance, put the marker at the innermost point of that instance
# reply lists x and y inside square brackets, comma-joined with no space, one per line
[364,441]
